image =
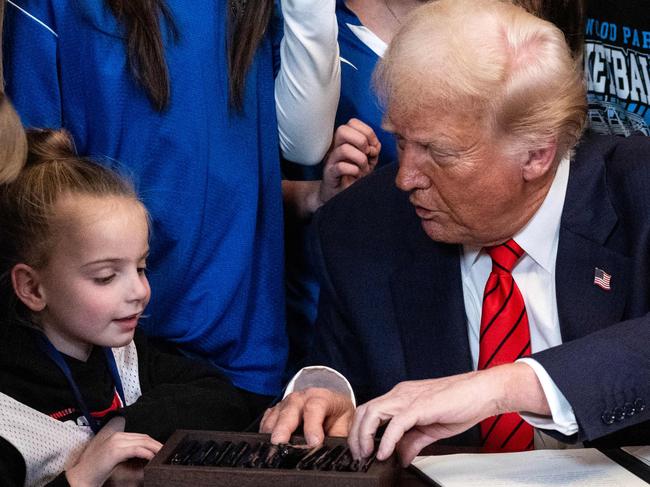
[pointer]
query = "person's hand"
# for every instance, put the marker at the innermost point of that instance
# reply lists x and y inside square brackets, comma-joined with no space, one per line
[108,449]
[422,412]
[354,154]
[321,412]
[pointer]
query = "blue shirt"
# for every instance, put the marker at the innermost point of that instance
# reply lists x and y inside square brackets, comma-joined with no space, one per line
[358,98]
[209,176]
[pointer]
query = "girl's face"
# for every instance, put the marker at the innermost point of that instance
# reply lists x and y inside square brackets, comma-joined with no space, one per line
[94,286]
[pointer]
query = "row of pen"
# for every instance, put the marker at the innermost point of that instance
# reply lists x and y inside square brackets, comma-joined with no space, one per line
[264,454]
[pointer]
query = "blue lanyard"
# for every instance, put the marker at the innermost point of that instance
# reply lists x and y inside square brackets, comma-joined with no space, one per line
[58,359]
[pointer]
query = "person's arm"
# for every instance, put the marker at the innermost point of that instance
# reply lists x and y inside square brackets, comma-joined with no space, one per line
[605,376]
[31,64]
[181,393]
[103,459]
[562,419]
[336,345]
[422,412]
[354,155]
[107,455]
[307,87]
[318,397]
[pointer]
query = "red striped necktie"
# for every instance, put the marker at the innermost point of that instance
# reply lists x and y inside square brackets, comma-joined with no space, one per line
[504,338]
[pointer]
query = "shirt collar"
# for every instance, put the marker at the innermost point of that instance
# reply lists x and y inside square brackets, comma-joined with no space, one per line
[540,235]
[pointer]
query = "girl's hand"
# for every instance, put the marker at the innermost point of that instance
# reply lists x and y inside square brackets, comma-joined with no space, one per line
[107,450]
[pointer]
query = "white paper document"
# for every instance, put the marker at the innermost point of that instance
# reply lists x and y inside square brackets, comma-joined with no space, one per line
[641,452]
[585,467]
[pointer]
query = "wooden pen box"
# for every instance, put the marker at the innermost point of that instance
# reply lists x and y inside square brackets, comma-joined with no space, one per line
[161,472]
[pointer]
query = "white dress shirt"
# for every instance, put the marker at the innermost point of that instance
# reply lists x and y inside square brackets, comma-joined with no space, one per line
[535,277]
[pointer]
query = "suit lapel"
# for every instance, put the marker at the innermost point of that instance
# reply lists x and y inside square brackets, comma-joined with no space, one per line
[584,307]
[588,221]
[428,300]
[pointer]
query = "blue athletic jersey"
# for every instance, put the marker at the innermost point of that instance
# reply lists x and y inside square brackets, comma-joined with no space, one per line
[358,98]
[209,176]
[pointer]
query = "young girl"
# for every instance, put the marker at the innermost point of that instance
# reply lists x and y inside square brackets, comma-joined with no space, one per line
[76,380]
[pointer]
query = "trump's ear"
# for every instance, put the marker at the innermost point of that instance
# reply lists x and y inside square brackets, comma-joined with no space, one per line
[539,162]
[26,282]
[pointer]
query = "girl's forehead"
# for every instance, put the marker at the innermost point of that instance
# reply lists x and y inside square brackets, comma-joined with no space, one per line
[90,227]
[89,208]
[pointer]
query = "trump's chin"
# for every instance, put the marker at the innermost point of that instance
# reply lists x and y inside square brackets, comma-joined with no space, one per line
[451,233]
[440,232]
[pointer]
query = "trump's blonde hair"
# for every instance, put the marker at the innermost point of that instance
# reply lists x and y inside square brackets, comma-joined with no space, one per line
[490,60]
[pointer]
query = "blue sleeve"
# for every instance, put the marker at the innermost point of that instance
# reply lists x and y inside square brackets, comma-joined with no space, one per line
[30,50]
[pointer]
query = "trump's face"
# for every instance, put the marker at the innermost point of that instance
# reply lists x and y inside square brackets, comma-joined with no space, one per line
[464,183]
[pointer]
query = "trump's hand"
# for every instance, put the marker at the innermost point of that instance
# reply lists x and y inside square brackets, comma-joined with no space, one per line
[321,412]
[422,412]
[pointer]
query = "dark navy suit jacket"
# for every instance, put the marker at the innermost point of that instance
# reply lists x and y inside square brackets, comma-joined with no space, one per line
[392,309]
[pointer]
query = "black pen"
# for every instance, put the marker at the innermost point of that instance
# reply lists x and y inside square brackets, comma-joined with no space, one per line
[223,454]
[324,462]
[212,455]
[184,452]
[241,451]
[199,456]
[308,461]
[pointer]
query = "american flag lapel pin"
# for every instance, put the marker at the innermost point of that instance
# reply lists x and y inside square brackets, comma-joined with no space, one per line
[602,279]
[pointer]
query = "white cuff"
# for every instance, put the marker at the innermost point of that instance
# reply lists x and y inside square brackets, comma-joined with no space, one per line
[320,376]
[562,418]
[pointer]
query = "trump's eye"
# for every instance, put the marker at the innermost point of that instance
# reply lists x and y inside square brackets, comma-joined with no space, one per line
[442,156]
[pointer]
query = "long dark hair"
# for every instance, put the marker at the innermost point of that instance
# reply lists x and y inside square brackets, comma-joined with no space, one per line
[2,18]
[247,23]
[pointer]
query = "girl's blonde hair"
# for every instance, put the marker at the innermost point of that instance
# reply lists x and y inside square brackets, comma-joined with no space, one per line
[27,202]
[13,143]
